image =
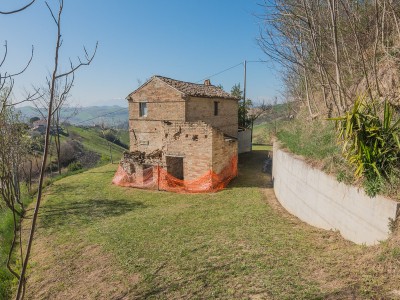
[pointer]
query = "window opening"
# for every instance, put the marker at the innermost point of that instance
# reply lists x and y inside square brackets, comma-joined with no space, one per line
[215,108]
[143,109]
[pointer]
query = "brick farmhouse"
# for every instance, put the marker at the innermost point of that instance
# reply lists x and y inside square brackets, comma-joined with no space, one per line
[188,129]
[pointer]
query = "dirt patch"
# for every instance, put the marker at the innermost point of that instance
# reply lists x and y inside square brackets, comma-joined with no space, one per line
[77,271]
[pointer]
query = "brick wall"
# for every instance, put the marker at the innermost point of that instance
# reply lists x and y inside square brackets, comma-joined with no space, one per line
[163,103]
[183,127]
[192,141]
[202,109]
[202,147]
[223,151]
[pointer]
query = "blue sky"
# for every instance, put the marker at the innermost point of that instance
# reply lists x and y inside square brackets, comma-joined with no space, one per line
[182,39]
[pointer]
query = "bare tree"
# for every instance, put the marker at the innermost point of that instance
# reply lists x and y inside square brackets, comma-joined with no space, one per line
[62,90]
[109,137]
[13,152]
[13,148]
[56,75]
[7,83]
[16,10]
[329,62]
[6,78]
[256,111]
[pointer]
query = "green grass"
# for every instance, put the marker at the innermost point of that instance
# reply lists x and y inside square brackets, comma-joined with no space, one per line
[316,140]
[261,147]
[6,236]
[233,244]
[6,229]
[124,136]
[92,141]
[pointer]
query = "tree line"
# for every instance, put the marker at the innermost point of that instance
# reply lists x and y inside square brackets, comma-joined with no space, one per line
[332,51]
[14,146]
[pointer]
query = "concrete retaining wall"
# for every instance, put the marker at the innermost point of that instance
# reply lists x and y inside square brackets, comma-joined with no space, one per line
[244,141]
[321,201]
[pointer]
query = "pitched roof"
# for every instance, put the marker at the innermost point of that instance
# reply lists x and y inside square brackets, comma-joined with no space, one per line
[193,89]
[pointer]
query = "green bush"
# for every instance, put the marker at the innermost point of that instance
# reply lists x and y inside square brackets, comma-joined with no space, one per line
[75,166]
[370,141]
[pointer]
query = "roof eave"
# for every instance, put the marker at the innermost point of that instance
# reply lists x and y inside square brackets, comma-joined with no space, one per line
[215,97]
[183,94]
[140,87]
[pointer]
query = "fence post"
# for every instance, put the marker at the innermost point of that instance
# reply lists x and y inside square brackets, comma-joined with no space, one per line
[158,176]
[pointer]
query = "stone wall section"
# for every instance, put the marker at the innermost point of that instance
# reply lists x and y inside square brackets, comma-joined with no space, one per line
[183,127]
[224,150]
[163,103]
[202,147]
[193,142]
[202,109]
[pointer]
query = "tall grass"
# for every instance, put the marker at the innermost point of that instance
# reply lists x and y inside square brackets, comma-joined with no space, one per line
[6,236]
[315,140]
[7,281]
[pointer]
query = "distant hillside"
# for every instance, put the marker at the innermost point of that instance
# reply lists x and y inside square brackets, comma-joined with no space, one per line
[92,140]
[279,111]
[91,115]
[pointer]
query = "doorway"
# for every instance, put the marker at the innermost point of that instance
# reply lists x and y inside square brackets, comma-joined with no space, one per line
[175,166]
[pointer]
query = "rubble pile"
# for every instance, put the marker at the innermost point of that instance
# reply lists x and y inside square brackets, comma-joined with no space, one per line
[132,160]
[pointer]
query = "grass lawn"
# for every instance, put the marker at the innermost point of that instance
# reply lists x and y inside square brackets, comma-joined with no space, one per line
[6,228]
[92,141]
[99,241]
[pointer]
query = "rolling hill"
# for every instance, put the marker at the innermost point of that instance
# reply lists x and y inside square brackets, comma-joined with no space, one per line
[110,115]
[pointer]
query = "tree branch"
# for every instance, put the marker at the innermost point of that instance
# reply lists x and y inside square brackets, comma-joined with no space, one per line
[17,10]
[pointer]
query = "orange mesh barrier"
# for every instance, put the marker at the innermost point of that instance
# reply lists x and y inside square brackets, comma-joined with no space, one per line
[122,178]
[158,178]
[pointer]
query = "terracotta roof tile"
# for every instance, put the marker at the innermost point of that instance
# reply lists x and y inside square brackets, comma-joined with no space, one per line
[191,89]
[195,89]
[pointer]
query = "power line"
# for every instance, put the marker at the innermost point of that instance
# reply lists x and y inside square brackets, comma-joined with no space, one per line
[230,68]
[213,75]
[241,63]
[110,113]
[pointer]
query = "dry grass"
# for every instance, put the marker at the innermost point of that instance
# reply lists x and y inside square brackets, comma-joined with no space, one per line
[79,271]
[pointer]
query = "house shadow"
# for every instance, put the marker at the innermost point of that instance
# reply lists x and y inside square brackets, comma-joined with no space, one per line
[254,170]
[76,213]
[102,172]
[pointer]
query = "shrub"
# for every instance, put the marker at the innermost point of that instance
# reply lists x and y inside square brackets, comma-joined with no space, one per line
[111,136]
[71,150]
[75,166]
[370,137]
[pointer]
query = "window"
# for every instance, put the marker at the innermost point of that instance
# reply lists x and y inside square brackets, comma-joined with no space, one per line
[143,109]
[215,108]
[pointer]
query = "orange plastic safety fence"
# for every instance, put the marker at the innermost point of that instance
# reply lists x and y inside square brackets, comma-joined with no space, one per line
[157,177]
[145,180]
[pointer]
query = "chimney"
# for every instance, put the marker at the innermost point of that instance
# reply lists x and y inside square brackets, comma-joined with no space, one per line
[207,82]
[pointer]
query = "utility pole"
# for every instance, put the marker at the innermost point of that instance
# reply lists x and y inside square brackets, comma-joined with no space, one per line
[244,94]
